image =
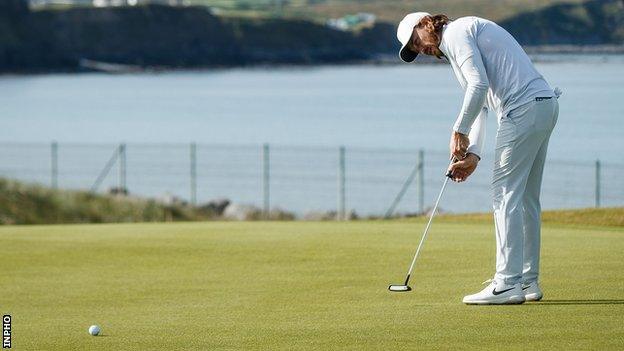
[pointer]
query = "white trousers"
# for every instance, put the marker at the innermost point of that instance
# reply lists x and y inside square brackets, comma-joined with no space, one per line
[521,145]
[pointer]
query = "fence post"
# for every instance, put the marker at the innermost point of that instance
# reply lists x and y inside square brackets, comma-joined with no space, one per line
[341,212]
[54,165]
[122,168]
[421,181]
[266,174]
[597,191]
[193,174]
[416,172]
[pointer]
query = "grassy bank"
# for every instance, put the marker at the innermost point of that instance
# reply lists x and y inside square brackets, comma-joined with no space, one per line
[22,203]
[300,286]
[613,217]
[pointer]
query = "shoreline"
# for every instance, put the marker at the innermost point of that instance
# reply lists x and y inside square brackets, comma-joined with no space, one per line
[575,49]
[541,54]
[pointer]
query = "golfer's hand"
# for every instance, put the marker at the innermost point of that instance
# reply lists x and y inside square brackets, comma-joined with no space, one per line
[459,145]
[461,170]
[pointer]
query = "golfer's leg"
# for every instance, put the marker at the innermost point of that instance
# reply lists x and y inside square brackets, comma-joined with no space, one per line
[516,148]
[508,188]
[532,217]
[532,207]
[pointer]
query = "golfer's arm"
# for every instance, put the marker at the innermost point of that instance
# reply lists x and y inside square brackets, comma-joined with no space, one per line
[477,133]
[476,90]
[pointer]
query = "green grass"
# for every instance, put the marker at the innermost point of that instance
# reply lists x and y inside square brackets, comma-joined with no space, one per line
[300,286]
[25,203]
[608,216]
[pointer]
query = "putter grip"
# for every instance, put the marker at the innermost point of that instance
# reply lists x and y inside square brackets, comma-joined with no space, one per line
[449,174]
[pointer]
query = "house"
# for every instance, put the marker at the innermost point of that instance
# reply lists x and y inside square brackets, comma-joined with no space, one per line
[352,22]
[108,3]
[45,3]
[105,3]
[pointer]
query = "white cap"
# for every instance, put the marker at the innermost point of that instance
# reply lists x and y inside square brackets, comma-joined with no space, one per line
[404,34]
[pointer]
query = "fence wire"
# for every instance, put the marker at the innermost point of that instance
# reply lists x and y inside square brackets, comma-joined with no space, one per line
[300,179]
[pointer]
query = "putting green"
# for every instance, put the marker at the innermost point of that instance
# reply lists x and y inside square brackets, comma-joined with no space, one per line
[300,286]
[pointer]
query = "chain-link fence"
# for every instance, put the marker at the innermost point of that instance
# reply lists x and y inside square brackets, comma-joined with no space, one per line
[303,180]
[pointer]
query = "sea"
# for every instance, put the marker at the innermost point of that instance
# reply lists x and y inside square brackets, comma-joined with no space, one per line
[383,110]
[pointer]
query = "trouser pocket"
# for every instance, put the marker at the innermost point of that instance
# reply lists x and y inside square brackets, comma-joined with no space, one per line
[543,115]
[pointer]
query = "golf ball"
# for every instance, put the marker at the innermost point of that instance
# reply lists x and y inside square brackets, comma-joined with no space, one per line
[94,330]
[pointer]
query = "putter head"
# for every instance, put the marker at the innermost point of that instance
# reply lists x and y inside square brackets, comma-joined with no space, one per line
[399,288]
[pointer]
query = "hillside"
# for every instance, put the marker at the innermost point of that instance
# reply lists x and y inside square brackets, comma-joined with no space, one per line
[393,10]
[184,37]
[56,40]
[593,22]
[33,204]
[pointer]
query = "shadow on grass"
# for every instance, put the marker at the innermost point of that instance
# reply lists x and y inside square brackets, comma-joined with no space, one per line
[578,302]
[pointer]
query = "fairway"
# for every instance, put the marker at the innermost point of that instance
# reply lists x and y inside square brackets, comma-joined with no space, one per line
[300,286]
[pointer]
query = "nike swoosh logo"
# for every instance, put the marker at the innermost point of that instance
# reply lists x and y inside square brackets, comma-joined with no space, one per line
[500,292]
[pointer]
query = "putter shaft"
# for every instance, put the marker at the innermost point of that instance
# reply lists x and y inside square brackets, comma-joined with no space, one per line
[424,236]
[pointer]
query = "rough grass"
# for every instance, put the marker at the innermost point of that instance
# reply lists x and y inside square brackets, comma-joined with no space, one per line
[23,203]
[300,286]
[612,217]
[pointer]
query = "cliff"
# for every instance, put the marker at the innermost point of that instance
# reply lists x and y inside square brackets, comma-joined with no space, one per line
[56,40]
[596,22]
[172,37]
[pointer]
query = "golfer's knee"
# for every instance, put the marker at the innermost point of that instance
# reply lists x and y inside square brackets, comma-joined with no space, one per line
[507,202]
[531,203]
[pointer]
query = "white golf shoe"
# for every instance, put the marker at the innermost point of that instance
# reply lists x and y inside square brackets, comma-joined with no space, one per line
[497,294]
[532,291]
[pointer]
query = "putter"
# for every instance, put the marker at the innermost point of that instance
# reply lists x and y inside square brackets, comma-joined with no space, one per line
[404,287]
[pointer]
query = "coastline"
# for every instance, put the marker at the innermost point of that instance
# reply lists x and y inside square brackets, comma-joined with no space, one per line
[150,39]
[539,54]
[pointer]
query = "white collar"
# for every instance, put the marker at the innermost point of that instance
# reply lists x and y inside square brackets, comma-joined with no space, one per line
[443,46]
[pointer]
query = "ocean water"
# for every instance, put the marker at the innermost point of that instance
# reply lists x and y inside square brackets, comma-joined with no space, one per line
[405,106]
[366,108]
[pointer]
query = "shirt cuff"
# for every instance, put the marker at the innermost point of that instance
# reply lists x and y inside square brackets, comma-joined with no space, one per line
[474,149]
[461,129]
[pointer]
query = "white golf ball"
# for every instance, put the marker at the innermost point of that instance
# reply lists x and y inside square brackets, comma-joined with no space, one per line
[94,330]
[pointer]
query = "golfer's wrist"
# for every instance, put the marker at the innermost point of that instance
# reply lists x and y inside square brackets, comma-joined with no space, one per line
[478,158]
[459,129]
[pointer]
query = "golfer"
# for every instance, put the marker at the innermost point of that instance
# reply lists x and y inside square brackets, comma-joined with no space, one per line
[497,76]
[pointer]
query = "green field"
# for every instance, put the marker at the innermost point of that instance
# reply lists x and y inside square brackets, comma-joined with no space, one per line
[300,286]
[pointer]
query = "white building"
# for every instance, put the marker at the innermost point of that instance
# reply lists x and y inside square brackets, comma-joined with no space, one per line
[106,3]
[44,3]
[350,22]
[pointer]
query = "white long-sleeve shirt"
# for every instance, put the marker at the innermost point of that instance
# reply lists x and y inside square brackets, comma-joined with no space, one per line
[495,72]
